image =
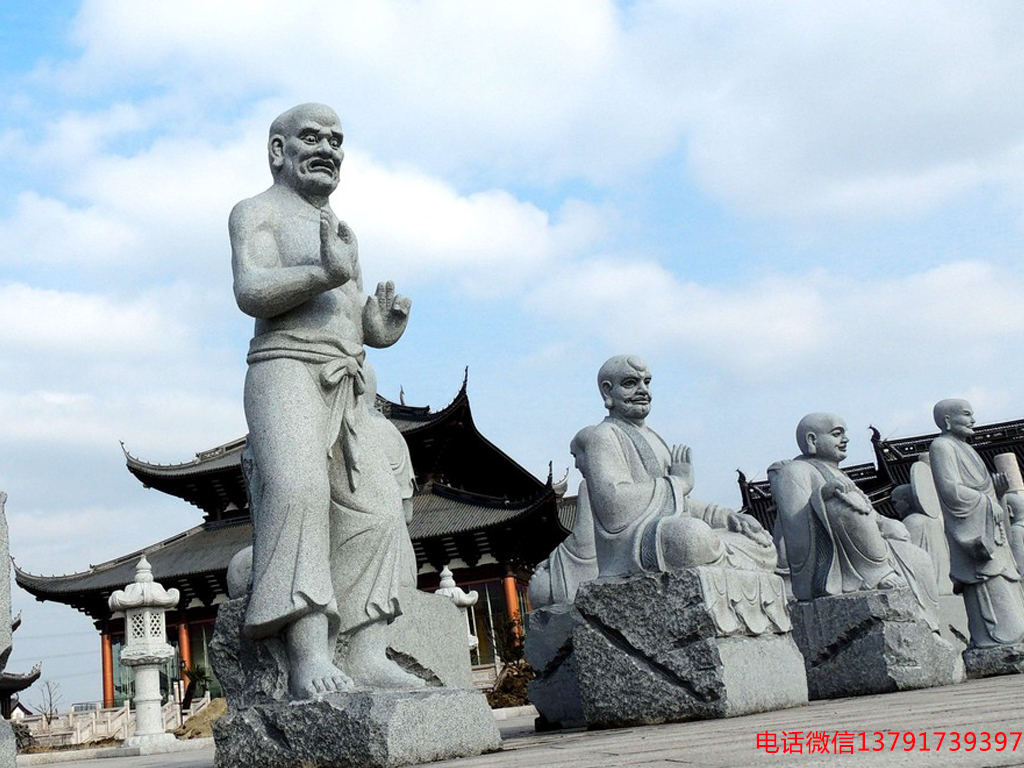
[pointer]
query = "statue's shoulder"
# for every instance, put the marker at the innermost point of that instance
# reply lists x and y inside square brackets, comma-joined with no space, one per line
[605,432]
[942,446]
[256,210]
[789,466]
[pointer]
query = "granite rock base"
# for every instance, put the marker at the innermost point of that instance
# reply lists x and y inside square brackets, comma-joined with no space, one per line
[370,729]
[555,690]
[871,642]
[427,641]
[667,647]
[990,662]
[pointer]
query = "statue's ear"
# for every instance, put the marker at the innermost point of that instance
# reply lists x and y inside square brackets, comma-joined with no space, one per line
[276,150]
[945,420]
[606,392]
[812,443]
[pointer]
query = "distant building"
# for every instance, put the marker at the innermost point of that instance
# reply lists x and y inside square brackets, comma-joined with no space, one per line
[476,511]
[13,683]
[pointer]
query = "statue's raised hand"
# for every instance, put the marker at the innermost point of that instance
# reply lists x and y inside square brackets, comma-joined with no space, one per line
[682,466]
[385,316]
[1001,482]
[339,251]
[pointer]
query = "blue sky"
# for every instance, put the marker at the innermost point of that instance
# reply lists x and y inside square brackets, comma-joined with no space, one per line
[784,207]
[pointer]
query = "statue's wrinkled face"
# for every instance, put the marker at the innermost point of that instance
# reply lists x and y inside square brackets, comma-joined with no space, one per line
[960,420]
[627,393]
[309,152]
[828,441]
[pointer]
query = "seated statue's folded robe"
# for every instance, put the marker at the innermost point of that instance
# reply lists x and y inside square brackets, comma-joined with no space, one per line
[572,562]
[632,498]
[841,544]
[981,563]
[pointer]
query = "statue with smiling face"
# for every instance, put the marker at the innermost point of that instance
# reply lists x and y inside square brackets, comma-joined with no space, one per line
[981,561]
[835,541]
[638,489]
[330,543]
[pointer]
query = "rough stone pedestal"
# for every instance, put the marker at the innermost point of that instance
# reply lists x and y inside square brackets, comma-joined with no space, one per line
[989,662]
[871,642]
[264,729]
[698,643]
[555,691]
[366,729]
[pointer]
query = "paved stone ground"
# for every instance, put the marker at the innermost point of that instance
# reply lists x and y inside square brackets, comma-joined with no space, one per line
[994,705]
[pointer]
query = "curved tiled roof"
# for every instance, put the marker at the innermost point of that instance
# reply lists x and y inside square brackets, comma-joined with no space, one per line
[197,551]
[195,561]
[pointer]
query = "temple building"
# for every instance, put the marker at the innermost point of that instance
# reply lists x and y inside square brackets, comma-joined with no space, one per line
[13,683]
[476,511]
[891,467]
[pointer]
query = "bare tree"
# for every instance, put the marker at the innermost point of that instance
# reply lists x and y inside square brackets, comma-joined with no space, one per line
[49,700]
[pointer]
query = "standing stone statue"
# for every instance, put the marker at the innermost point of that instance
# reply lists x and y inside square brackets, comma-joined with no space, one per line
[854,572]
[981,563]
[686,618]
[1013,503]
[296,269]
[330,487]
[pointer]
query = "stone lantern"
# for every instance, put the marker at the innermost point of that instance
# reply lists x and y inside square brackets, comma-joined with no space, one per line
[144,603]
[462,599]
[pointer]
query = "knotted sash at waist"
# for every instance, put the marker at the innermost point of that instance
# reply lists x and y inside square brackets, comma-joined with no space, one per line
[340,375]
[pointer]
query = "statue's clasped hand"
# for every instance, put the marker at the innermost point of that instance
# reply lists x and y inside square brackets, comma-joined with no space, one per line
[339,251]
[845,491]
[682,466]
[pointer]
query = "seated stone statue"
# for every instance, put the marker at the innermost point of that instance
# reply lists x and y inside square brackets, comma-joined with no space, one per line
[639,492]
[574,561]
[981,563]
[919,510]
[835,540]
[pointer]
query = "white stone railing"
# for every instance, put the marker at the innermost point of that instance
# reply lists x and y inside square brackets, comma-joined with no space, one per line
[99,724]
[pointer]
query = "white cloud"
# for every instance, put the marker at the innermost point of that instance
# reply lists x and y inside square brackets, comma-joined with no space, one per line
[75,325]
[968,312]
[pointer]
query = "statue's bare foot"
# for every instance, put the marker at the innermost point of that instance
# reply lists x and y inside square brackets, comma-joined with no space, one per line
[310,671]
[368,662]
[313,677]
[382,673]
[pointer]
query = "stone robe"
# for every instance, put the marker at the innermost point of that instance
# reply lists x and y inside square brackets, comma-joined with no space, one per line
[981,563]
[632,497]
[572,562]
[329,528]
[842,544]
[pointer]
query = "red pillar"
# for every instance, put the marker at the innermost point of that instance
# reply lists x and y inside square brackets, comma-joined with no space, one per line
[107,656]
[512,602]
[184,650]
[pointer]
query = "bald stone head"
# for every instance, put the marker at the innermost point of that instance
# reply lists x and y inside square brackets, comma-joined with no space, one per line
[625,385]
[822,436]
[304,149]
[954,416]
